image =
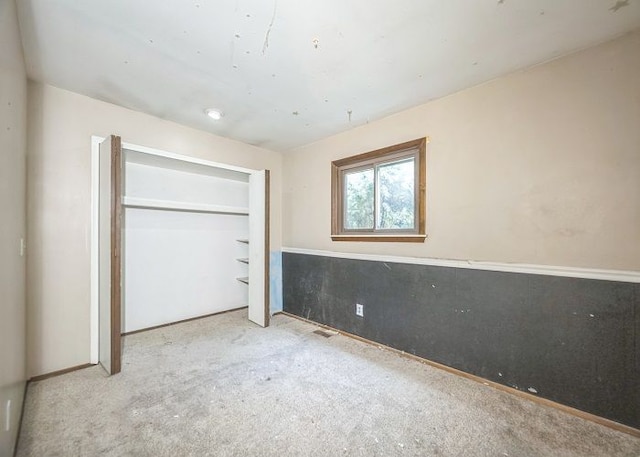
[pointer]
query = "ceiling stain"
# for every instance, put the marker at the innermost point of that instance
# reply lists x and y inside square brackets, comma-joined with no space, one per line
[501,2]
[619,5]
[273,19]
[295,113]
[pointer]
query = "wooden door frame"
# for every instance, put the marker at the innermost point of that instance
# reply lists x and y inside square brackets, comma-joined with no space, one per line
[117,165]
[110,261]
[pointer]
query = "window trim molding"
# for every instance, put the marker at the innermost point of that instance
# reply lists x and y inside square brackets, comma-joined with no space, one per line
[419,235]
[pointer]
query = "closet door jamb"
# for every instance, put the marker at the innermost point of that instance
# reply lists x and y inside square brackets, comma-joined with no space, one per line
[110,254]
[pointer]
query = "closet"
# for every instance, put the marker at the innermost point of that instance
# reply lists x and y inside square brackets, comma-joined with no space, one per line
[179,238]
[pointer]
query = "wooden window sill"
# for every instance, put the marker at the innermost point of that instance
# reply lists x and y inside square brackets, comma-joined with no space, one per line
[407,238]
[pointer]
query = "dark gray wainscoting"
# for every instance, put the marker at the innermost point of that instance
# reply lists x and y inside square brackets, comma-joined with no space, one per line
[573,341]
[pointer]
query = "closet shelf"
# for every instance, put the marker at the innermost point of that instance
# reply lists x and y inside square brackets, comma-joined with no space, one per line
[243,260]
[134,202]
[244,280]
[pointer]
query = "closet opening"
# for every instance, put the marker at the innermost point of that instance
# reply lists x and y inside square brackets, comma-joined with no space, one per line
[177,238]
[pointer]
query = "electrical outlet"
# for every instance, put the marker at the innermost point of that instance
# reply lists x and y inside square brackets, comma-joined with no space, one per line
[7,420]
[359,310]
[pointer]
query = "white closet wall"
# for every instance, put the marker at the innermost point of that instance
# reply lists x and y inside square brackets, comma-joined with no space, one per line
[182,223]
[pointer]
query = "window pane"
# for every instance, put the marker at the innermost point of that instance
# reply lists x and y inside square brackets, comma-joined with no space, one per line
[396,198]
[358,200]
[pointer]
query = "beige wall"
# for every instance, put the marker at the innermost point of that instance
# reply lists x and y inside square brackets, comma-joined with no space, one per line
[13,131]
[59,165]
[540,167]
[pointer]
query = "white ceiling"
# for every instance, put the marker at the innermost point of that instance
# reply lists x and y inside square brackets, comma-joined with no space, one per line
[257,60]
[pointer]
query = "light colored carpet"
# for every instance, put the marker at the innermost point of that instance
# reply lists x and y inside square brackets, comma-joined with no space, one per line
[222,386]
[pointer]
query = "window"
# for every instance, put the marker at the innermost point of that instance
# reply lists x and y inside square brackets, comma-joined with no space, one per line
[380,195]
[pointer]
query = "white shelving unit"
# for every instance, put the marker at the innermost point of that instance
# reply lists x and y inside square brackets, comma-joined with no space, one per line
[245,260]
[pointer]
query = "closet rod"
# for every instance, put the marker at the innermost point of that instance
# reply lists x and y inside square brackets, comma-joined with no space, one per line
[147,203]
